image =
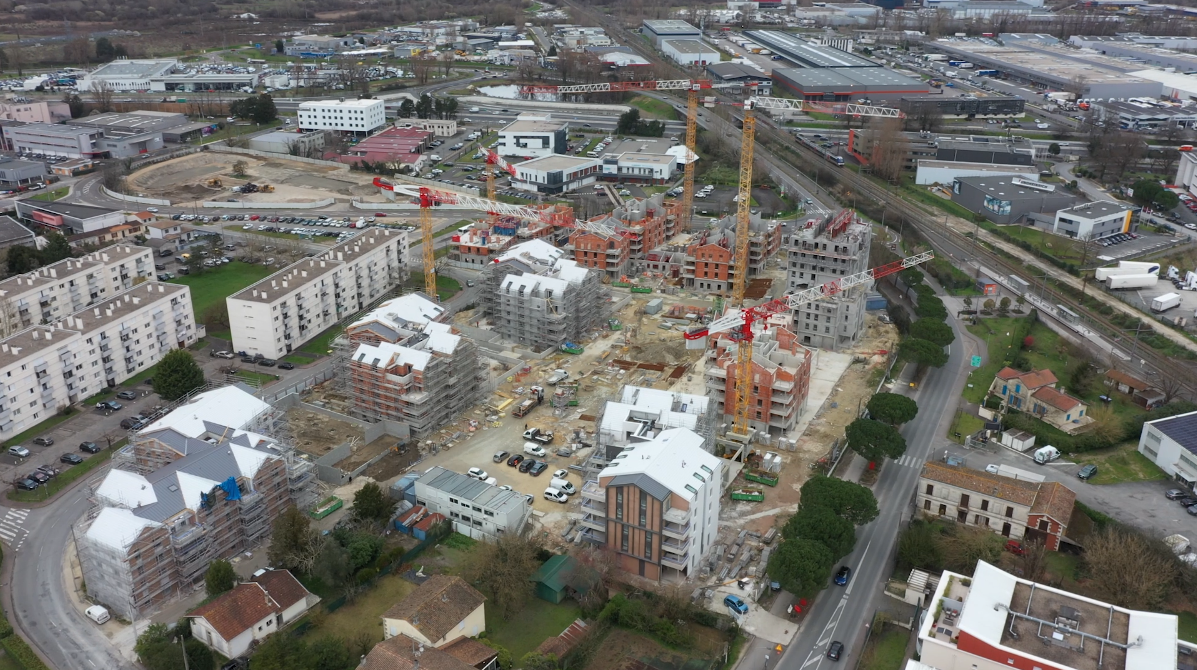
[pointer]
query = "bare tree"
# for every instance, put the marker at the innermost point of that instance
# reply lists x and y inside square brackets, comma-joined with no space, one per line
[500,571]
[1127,570]
[890,150]
[1033,561]
[1170,386]
[101,95]
[421,68]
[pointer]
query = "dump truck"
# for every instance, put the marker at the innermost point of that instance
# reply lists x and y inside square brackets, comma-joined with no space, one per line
[524,407]
[216,183]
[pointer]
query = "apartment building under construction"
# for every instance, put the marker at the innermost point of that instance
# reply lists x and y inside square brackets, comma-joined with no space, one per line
[405,365]
[640,226]
[205,481]
[710,254]
[820,253]
[781,378]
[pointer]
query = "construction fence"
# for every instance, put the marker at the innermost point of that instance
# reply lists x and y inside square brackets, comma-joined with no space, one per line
[297,387]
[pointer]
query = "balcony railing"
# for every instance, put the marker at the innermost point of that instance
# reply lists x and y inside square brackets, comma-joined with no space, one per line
[669,561]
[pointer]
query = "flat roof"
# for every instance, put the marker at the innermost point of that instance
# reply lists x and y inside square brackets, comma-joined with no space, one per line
[120,306]
[654,159]
[1003,186]
[340,103]
[846,79]
[811,55]
[689,46]
[669,26]
[54,273]
[67,209]
[1027,170]
[132,121]
[1098,209]
[530,126]
[557,162]
[1048,60]
[133,68]
[61,130]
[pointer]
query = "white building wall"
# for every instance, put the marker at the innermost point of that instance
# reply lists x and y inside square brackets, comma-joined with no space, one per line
[946,175]
[1186,171]
[357,116]
[701,58]
[1167,453]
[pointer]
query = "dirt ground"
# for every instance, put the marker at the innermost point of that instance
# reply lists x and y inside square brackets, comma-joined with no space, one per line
[185,178]
[317,434]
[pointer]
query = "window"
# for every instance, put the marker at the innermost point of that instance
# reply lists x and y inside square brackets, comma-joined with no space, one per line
[623,543]
[643,509]
[1009,512]
[930,489]
[943,510]
[964,500]
[619,504]
[984,505]
[927,505]
[1044,524]
[648,545]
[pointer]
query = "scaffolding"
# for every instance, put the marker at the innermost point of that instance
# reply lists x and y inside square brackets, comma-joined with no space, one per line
[540,318]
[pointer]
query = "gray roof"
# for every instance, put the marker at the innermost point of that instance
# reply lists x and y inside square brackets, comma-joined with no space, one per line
[735,71]
[66,209]
[642,481]
[468,488]
[1181,428]
[689,46]
[11,231]
[849,79]
[670,27]
[1100,208]
[812,55]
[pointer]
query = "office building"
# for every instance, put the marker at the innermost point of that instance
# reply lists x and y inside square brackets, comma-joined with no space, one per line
[15,172]
[67,218]
[989,107]
[1171,444]
[406,365]
[203,482]
[656,504]
[690,52]
[173,127]
[295,304]
[126,75]
[660,30]
[533,136]
[555,174]
[640,168]
[307,145]
[821,253]
[54,140]
[1091,220]
[359,117]
[475,508]
[1009,199]
[781,379]
[35,111]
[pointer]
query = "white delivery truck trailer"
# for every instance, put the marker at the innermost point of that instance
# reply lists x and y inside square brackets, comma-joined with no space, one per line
[1165,302]
[1131,281]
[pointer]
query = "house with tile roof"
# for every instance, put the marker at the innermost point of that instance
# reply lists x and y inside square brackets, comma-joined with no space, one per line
[1059,409]
[1015,387]
[1035,392]
[252,611]
[400,652]
[1125,383]
[1021,510]
[438,612]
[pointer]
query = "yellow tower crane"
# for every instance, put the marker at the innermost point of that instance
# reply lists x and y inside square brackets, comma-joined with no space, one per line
[741,425]
[691,158]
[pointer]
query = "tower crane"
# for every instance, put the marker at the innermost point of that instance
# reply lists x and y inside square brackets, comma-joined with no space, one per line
[493,159]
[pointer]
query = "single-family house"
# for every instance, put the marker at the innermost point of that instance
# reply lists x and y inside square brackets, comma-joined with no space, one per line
[401,652]
[1125,383]
[1059,409]
[472,653]
[1015,387]
[252,611]
[439,611]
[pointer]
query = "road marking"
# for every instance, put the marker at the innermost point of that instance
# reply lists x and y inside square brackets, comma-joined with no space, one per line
[848,591]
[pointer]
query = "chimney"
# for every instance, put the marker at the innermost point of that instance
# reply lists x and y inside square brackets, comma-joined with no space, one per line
[36,335]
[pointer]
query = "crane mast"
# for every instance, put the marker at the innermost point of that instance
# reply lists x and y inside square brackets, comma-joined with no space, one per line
[741,424]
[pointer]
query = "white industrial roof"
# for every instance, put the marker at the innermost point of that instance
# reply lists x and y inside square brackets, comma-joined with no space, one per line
[672,459]
[386,354]
[1176,84]
[118,528]
[227,406]
[991,586]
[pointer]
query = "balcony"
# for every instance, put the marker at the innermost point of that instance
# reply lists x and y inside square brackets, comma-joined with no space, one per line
[671,562]
[679,547]
[595,522]
[676,530]
[592,491]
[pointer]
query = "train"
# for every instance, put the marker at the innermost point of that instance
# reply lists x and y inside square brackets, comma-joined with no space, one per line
[814,145]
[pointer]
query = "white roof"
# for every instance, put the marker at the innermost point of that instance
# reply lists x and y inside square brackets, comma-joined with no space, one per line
[127,489]
[362,103]
[389,354]
[1159,633]
[672,459]
[440,338]
[249,460]
[191,487]
[118,528]
[1175,84]
[413,308]
[570,271]
[227,406]
[682,153]
[531,282]
[537,251]
[656,401]
[980,618]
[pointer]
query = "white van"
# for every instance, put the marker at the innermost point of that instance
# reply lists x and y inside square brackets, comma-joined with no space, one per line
[97,614]
[533,449]
[563,486]
[555,496]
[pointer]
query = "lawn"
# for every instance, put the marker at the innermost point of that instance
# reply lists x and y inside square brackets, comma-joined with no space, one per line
[653,108]
[1122,463]
[51,196]
[140,376]
[298,359]
[364,613]
[994,331]
[1050,245]
[7,663]
[319,345]
[446,287]
[220,282]
[963,425]
[259,378]
[888,652]
[1188,628]
[524,632]
[70,474]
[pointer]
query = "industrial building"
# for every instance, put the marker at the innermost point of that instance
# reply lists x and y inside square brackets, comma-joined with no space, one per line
[848,84]
[281,312]
[656,504]
[359,117]
[931,171]
[639,168]
[126,75]
[15,172]
[318,46]
[1143,49]
[53,140]
[710,254]
[1171,444]
[1007,199]
[1091,220]
[307,145]
[167,75]
[476,509]
[406,365]
[556,173]
[533,136]
[1143,116]
[968,107]
[1186,172]
[690,52]
[808,54]
[66,218]
[781,370]
[666,29]
[536,298]
[749,78]
[205,481]
[821,253]
[173,127]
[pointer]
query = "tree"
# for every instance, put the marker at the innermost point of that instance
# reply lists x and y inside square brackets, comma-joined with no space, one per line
[104,49]
[537,661]
[890,149]
[934,331]
[101,95]
[77,50]
[239,167]
[1149,192]
[157,650]
[406,108]
[177,375]
[333,565]
[1020,301]
[281,652]
[219,578]
[930,307]
[922,352]
[57,248]
[1053,149]
[875,440]
[628,122]
[892,408]
[1004,305]
[328,653]
[372,503]
[504,658]
[292,541]
[820,524]
[1129,570]
[1033,561]
[801,566]
[22,259]
[552,51]
[917,548]
[257,108]
[968,302]
[75,103]
[849,500]
[280,46]
[500,571]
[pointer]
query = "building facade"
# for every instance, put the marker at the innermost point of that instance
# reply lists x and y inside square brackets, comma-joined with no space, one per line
[639,168]
[67,218]
[475,508]
[660,30]
[545,310]
[781,370]
[710,258]
[533,136]
[819,254]
[1171,444]
[15,172]
[54,140]
[690,52]
[297,303]
[1094,220]
[359,117]
[58,290]
[556,174]
[1009,198]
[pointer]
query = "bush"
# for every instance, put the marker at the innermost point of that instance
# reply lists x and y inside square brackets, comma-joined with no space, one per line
[20,652]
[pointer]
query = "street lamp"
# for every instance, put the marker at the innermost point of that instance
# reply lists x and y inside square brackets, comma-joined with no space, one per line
[182,645]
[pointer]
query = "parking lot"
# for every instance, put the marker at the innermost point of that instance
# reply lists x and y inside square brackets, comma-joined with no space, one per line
[1130,245]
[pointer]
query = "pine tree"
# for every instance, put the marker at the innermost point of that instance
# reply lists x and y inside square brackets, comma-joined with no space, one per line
[178,374]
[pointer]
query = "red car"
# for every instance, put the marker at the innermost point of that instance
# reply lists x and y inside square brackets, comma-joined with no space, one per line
[380,215]
[254,217]
[1015,547]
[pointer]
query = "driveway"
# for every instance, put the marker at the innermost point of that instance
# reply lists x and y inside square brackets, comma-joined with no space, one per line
[1088,187]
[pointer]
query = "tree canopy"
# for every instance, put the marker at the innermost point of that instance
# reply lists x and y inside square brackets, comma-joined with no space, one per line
[219,578]
[934,331]
[157,649]
[257,108]
[292,539]
[372,503]
[892,408]
[1149,192]
[821,524]
[849,500]
[177,375]
[630,123]
[802,567]
[875,440]
[922,352]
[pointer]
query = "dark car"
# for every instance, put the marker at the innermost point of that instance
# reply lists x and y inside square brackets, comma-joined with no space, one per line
[73,459]
[159,266]
[267,362]
[537,468]
[286,366]
[132,423]
[835,650]
[1192,509]
[48,470]
[1186,501]
[248,360]
[1173,494]
[843,575]
[109,404]
[127,395]
[526,464]
[515,460]
[43,441]
[27,484]
[90,447]
[1087,472]
[39,477]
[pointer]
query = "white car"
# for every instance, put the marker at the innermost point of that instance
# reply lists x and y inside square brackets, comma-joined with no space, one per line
[991,469]
[561,474]
[152,210]
[97,614]
[1191,226]
[478,473]
[248,226]
[555,495]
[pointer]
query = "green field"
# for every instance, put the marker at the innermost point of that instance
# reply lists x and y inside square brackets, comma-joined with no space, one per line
[887,652]
[524,632]
[51,196]
[653,108]
[220,282]
[1047,244]
[319,345]
[1123,463]
[1188,627]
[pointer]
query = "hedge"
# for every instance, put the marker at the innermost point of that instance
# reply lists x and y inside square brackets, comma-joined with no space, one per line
[1047,434]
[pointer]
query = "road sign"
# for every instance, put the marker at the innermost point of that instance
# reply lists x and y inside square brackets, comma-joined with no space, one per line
[976,362]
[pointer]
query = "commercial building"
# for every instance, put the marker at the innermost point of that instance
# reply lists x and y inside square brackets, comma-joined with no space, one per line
[409,367]
[533,136]
[689,52]
[1017,508]
[143,121]
[167,75]
[781,379]
[544,308]
[994,619]
[639,168]
[359,117]
[307,145]
[14,234]
[658,31]
[656,504]
[15,172]
[808,54]
[1140,115]
[749,78]
[844,84]
[1171,444]
[66,218]
[205,481]
[475,508]
[126,75]
[555,174]
[1091,220]
[403,146]
[1008,199]
[35,111]
[819,254]
[317,46]
[297,303]
[989,107]
[947,172]
[54,140]
[710,254]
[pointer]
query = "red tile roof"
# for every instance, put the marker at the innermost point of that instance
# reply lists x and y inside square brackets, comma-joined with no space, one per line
[471,651]
[437,605]
[1033,379]
[283,587]
[1054,500]
[1121,377]
[238,610]
[1058,399]
[403,653]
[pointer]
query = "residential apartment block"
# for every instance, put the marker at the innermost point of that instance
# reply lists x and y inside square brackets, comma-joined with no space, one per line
[205,481]
[475,508]
[47,368]
[1171,444]
[1019,509]
[641,412]
[360,117]
[293,305]
[818,254]
[994,619]
[641,225]
[656,505]
[710,255]
[531,257]
[781,379]
[407,366]
[60,289]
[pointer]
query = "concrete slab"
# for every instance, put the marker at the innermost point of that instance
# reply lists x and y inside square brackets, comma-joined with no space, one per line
[759,621]
[825,373]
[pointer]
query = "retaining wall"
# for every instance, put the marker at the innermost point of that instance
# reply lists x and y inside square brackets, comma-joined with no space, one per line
[225,149]
[237,204]
[133,198]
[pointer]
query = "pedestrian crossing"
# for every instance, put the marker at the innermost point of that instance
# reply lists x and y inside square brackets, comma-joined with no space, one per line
[12,528]
[908,461]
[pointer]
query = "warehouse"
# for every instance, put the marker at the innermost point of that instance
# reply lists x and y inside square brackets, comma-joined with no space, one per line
[749,78]
[843,84]
[964,108]
[669,29]
[1145,53]
[690,52]
[805,53]
[1007,199]
[1138,116]
[1043,63]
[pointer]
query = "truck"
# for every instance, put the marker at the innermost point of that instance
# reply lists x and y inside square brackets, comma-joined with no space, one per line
[524,407]
[1131,281]
[541,436]
[557,376]
[1045,455]
[1164,302]
[935,57]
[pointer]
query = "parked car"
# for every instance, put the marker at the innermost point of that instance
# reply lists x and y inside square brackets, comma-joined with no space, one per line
[47,470]
[1087,472]
[540,466]
[526,464]
[127,395]
[843,575]
[71,458]
[132,423]
[735,604]
[560,474]
[227,355]
[1187,501]
[499,456]
[515,460]
[1173,494]
[43,441]
[109,404]
[97,613]
[39,477]
[26,484]
[1015,547]
[478,473]
[90,447]
[286,366]
[18,451]
[267,362]
[555,495]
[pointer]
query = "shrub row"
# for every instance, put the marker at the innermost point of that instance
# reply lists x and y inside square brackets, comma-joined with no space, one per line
[1046,434]
[634,615]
